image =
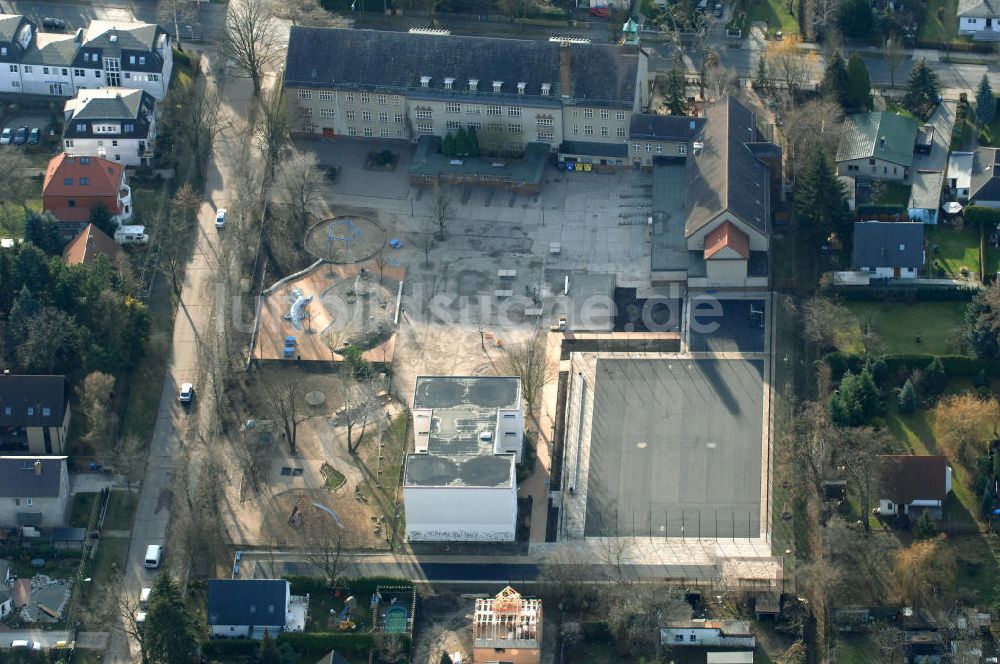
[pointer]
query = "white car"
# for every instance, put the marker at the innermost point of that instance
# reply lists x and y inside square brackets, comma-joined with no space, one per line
[30,645]
[220,217]
[6,136]
[186,395]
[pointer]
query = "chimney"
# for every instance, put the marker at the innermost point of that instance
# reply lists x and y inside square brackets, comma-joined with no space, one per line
[565,78]
[881,143]
[38,468]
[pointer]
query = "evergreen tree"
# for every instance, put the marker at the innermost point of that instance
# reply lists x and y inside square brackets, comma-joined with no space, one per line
[935,378]
[983,321]
[986,102]
[448,145]
[171,637]
[859,85]
[674,97]
[821,201]
[835,81]
[472,141]
[761,82]
[907,398]
[856,402]
[42,230]
[856,19]
[926,528]
[922,90]
[461,142]
[268,651]
[100,217]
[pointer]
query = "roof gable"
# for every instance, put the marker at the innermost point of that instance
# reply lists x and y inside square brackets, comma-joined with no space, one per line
[905,478]
[90,243]
[31,477]
[9,26]
[985,175]
[725,174]
[398,61]
[888,244]
[32,401]
[100,176]
[979,8]
[258,602]
[114,35]
[879,135]
[727,236]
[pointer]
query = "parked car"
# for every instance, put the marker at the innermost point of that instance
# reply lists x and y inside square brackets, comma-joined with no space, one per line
[50,23]
[220,217]
[6,136]
[599,12]
[21,136]
[186,395]
[718,10]
[34,136]
[30,645]
[154,553]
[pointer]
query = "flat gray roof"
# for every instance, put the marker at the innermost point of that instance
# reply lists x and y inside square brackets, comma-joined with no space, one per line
[441,392]
[675,448]
[669,246]
[459,471]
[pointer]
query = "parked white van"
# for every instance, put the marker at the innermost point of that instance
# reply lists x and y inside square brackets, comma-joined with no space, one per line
[131,235]
[154,552]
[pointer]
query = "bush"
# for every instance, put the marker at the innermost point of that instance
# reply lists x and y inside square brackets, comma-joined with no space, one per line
[906,294]
[228,649]
[955,366]
[365,588]
[597,632]
[302,585]
[356,643]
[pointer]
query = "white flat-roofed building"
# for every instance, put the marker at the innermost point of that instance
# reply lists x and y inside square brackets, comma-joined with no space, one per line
[460,483]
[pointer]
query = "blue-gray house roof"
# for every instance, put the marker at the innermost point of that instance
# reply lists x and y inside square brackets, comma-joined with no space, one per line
[254,602]
[888,244]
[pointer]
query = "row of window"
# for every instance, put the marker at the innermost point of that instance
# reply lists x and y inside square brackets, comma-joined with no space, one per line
[366,98]
[100,144]
[588,130]
[77,73]
[681,149]
[604,113]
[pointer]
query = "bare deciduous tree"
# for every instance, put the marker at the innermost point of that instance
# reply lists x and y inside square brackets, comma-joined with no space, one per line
[250,40]
[528,361]
[824,320]
[719,79]
[790,62]
[360,405]
[16,183]
[322,538]
[637,613]
[390,647]
[807,446]
[964,422]
[272,131]
[126,602]
[298,184]
[177,12]
[924,573]
[569,578]
[824,12]
[380,263]
[130,460]
[287,403]
[894,57]
[95,401]
[816,125]
[201,122]
[857,454]
[441,208]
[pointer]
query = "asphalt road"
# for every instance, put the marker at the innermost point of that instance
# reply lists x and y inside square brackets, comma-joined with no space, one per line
[47,639]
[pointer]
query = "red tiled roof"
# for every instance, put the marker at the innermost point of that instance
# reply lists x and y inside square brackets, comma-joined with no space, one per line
[88,245]
[62,177]
[907,477]
[727,235]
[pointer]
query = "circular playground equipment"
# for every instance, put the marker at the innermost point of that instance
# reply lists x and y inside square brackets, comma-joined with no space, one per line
[347,239]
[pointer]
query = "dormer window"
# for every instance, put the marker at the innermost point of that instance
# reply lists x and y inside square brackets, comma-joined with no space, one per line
[546,89]
[448,82]
[473,84]
[425,81]
[497,85]
[520,87]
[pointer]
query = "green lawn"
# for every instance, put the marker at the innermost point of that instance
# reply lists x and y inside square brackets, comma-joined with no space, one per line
[898,324]
[775,13]
[81,508]
[12,216]
[953,249]
[121,510]
[940,22]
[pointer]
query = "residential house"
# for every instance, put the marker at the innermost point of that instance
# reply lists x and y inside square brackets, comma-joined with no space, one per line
[960,175]
[888,250]
[16,35]
[702,633]
[401,86]
[877,146]
[979,18]
[34,414]
[113,123]
[88,245]
[246,608]
[507,628]
[985,189]
[74,186]
[460,482]
[910,483]
[33,491]
[105,54]
[712,206]
[652,136]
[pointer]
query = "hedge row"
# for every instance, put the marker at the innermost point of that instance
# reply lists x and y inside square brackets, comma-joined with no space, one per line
[228,649]
[906,294]
[865,210]
[957,46]
[362,588]
[357,643]
[955,366]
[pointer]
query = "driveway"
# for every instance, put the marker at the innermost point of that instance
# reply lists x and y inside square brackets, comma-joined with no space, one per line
[929,169]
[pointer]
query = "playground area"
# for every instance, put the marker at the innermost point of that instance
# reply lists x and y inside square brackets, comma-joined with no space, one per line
[345,240]
[320,311]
